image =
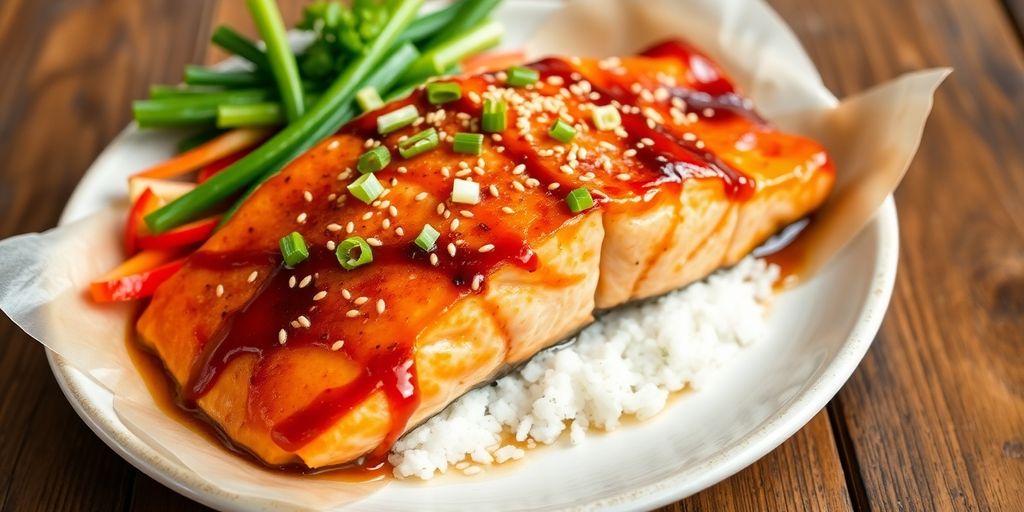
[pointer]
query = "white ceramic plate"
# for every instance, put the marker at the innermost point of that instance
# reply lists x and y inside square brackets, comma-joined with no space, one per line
[818,334]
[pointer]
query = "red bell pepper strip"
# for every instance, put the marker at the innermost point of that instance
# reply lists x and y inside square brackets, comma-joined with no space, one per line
[137,277]
[146,203]
[187,234]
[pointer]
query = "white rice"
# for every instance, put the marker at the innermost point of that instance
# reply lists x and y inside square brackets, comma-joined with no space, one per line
[625,364]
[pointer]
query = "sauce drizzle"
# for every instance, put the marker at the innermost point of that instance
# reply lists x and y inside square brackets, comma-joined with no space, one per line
[386,356]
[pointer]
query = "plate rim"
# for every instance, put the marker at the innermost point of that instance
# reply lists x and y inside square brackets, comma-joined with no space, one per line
[773,432]
[776,430]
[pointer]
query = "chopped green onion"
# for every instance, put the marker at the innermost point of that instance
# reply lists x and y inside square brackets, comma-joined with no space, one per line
[494,117]
[374,160]
[369,99]
[293,249]
[579,200]
[465,191]
[344,253]
[443,92]
[468,143]
[427,238]
[562,131]
[366,188]
[606,118]
[519,76]
[418,144]
[396,119]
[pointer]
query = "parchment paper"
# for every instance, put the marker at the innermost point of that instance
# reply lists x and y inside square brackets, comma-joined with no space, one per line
[872,137]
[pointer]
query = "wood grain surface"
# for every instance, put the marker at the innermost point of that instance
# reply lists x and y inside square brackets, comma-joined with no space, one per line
[932,420]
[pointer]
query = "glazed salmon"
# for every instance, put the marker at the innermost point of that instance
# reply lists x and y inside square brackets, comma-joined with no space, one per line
[318,365]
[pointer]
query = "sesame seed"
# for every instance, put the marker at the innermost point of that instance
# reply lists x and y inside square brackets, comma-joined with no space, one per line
[393,210]
[305,281]
[466,213]
[486,248]
[220,290]
[320,295]
[421,196]
[433,259]
[399,231]
[386,224]
[303,321]
[532,182]
[519,169]
[440,208]
[352,313]
[282,335]
[477,280]
[374,242]
[350,227]
[334,227]
[345,293]
[507,210]
[380,306]
[252,276]
[301,219]
[333,145]
[554,186]
[331,245]
[361,300]
[455,224]
[451,250]
[336,346]
[308,196]
[622,177]
[629,153]
[518,186]
[494,190]
[295,324]
[566,169]
[367,215]
[291,282]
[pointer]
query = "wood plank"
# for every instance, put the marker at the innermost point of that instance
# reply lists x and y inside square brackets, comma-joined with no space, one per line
[75,64]
[1015,10]
[935,414]
[804,473]
[148,495]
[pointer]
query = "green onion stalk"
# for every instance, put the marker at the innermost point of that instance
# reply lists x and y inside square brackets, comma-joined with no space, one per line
[325,117]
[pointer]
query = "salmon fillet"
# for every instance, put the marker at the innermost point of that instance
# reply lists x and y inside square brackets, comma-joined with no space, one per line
[315,365]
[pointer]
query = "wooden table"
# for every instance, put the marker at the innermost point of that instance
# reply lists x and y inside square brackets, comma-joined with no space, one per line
[932,419]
